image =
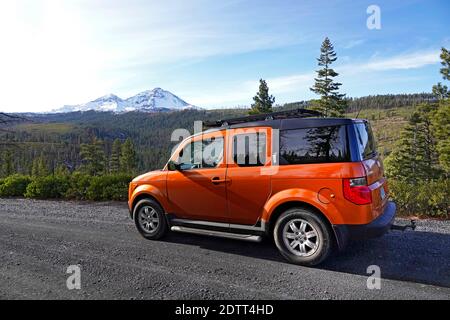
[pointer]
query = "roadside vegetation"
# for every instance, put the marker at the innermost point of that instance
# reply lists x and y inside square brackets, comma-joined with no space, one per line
[98,178]
[419,164]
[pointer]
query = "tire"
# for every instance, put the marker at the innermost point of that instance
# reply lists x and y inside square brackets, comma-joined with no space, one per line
[313,237]
[150,219]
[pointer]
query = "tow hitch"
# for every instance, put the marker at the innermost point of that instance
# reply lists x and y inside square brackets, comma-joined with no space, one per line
[411,225]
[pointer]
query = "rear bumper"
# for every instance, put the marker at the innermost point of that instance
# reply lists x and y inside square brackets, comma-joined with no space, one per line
[346,232]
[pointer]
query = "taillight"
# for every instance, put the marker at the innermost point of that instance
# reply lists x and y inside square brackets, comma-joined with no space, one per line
[357,191]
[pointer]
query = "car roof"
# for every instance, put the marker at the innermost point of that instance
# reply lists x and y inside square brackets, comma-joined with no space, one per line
[292,123]
[283,120]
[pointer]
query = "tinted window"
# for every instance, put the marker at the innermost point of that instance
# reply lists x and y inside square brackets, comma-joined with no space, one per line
[205,154]
[314,145]
[212,152]
[249,150]
[365,140]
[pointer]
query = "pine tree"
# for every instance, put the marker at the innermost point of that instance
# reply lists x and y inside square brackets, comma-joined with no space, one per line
[331,103]
[93,157]
[61,170]
[7,166]
[39,167]
[415,158]
[114,162]
[128,157]
[263,102]
[440,91]
[441,117]
[441,130]
[445,62]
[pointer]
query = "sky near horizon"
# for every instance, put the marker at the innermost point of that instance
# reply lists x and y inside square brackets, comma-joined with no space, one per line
[211,53]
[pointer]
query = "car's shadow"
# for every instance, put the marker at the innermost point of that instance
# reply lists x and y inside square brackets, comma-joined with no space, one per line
[418,256]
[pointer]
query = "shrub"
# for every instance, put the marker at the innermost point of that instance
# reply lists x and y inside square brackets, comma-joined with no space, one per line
[109,187]
[425,198]
[14,186]
[48,187]
[78,186]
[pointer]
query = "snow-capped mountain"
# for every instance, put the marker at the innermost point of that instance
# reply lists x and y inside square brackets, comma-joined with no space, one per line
[147,101]
[109,102]
[156,98]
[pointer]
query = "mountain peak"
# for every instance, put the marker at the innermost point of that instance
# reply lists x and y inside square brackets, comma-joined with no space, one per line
[153,100]
[108,97]
[111,95]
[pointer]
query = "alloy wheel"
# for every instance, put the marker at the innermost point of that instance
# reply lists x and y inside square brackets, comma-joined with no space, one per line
[148,219]
[301,238]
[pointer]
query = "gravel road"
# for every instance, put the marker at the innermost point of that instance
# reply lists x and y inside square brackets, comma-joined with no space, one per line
[40,239]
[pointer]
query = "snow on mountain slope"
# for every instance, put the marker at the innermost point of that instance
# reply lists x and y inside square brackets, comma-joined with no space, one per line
[156,98]
[147,101]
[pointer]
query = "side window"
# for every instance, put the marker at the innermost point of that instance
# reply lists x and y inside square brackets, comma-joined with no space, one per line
[187,156]
[314,145]
[249,150]
[207,153]
[212,152]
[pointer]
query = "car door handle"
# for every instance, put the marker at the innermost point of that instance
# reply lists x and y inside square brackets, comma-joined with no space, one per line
[217,180]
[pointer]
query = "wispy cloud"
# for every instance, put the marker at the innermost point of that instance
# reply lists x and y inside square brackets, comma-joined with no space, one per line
[64,52]
[301,82]
[178,30]
[286,84]
[353,43]
[241,94]
[404,61]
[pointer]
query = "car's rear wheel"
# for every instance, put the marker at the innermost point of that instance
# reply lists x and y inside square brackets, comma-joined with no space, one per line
[150,220]
[302,237]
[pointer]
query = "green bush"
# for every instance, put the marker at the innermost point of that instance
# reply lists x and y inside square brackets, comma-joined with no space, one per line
[14,186]
[48,187]
[78,186]
[425,198]
[109,187]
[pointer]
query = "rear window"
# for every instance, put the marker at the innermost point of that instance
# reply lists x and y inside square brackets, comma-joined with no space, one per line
[314,145]
[365,140]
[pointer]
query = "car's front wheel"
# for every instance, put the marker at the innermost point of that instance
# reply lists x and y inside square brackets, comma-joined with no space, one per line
[150,220]
[303,237]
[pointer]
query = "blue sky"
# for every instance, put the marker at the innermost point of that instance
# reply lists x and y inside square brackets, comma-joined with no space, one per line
[211,53]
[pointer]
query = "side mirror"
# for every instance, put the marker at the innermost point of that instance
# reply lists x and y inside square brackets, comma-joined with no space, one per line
[173,166]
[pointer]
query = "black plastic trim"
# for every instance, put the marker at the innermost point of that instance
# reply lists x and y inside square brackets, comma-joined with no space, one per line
[347,232]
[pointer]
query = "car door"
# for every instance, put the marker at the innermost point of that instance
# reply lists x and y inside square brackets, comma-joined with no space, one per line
[198,190]
[249,184]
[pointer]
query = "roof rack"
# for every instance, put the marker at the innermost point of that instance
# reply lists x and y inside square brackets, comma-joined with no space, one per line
[295,113]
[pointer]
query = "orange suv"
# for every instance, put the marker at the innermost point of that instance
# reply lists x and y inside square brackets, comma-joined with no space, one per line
[311,183]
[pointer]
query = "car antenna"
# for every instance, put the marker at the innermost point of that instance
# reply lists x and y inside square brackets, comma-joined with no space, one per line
[360,108]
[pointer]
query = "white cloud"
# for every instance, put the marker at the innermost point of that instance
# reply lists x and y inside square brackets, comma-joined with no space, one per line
[300,83]
[404,61]
[353,43]
[290,83]
[242,93]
